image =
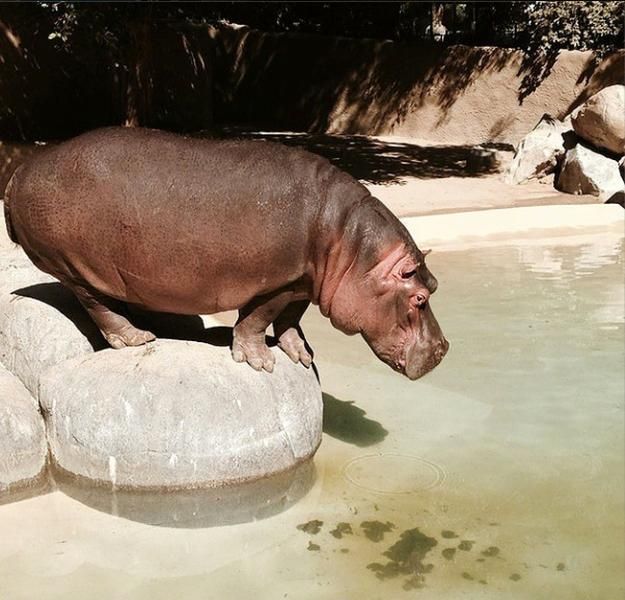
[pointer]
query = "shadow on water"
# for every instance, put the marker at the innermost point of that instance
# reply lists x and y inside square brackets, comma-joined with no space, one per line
[194,508]
[344,421]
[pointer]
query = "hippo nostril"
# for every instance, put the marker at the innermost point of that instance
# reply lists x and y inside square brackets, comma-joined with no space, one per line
[441,349]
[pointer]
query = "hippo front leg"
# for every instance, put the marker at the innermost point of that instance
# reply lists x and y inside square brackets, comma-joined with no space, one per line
[290,337]
[248,341]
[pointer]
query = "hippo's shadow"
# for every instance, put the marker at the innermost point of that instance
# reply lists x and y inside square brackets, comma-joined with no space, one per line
[163,325]
[63,300]
[346,422]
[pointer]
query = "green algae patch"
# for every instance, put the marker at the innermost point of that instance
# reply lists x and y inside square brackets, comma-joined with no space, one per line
[491,551]
[341,529]
[313,527]
[448,535]
[449,553]
[515,577]
[313,547]
[375,530]
[561,567]
[407,557]
[466,545]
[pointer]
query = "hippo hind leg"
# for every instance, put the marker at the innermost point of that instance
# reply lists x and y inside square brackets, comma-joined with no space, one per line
[118,331]
[290,336]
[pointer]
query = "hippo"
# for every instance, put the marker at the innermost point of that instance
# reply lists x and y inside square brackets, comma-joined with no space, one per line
[177,224]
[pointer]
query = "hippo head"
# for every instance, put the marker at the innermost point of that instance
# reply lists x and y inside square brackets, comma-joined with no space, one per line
[389,305]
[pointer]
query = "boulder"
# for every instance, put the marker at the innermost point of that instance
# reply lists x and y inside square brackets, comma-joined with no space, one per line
[23,447]
[585,171]
[42,325]
[601,119]
[538,153]
[178,414]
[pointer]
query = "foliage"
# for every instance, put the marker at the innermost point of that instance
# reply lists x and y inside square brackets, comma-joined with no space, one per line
[578,25]
[552,26]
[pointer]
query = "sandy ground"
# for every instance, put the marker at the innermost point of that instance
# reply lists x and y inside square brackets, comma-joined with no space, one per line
[413,196]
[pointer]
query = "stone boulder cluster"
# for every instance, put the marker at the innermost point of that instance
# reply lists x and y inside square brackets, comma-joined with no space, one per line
[585,151]
[174,414]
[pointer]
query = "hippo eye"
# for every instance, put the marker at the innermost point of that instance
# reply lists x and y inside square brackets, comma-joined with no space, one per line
[409,274]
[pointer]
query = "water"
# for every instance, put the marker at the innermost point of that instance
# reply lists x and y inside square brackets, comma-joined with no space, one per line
[499,475]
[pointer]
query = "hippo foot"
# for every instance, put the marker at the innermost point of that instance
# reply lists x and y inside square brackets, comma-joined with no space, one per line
[256,354]
[295,347]
[129,336]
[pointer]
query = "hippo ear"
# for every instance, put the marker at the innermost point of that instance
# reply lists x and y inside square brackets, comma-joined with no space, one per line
[426,252]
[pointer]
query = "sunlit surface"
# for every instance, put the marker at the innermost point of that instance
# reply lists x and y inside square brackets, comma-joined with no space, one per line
[498,475]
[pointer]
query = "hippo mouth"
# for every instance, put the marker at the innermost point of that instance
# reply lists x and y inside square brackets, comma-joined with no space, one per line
[420,360]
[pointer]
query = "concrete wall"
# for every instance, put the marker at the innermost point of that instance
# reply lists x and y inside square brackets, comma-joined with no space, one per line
[454,95]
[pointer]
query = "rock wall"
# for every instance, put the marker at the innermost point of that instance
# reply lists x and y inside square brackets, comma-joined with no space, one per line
[454,95]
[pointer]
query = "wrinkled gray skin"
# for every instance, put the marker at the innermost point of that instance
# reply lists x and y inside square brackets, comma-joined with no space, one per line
[189,226]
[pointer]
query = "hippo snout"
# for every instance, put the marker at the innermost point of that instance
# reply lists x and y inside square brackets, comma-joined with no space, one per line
[421,359]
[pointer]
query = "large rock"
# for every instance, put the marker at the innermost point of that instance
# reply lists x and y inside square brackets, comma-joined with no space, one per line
[601,120]
[179,414]
[42,325]
[23,448]
[585,171]
[539,151]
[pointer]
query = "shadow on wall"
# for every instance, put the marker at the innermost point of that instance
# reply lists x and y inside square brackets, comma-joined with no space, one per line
[388,162]
[597,76]
[49,91]
[341,84]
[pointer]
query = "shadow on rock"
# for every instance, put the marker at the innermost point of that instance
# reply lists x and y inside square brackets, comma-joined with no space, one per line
[60,298]
[346,422]
[163,325]
[194,508]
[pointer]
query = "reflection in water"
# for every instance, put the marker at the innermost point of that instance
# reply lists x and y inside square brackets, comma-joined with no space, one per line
[571,262]
[195,508]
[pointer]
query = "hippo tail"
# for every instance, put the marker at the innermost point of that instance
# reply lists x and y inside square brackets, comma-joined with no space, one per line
[7,209]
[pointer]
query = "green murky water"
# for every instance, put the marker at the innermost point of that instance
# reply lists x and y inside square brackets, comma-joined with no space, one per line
[499,475]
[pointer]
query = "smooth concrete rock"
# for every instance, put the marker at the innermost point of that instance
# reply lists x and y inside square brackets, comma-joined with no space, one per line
[601,119]
[42,325]
[538,153]
[23,447]
[178,414]
[585,171]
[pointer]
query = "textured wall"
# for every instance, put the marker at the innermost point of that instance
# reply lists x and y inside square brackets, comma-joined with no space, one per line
[457,94]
